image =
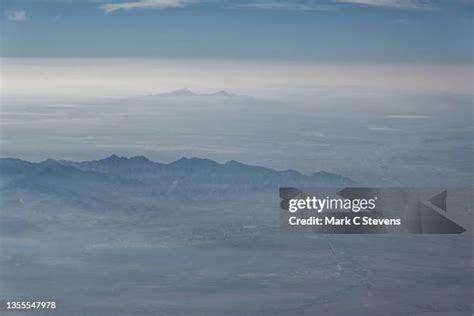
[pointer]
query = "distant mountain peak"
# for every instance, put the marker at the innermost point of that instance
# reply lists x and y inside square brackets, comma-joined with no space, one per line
[233,162]
[50,161]
[142,159]
[186,93]
[221,93]
[182,92]
[113,158]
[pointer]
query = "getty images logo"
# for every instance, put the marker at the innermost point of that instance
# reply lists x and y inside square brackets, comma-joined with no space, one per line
[327,203]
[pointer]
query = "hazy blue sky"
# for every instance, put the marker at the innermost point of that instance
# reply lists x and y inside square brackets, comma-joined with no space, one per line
[407,31]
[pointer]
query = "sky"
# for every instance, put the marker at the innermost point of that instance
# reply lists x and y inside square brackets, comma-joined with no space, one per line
[325,31]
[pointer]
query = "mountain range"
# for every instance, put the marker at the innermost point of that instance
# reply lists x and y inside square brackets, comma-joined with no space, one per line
[186,93]
[119,180]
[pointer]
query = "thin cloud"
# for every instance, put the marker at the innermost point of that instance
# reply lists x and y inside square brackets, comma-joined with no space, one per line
[409,117]
[144,4]
[394,4]
[384,129]
[280,5]
[18,16]
[285,5]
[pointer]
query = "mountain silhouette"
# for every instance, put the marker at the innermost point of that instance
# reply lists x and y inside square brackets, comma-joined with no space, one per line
[186,93]
[206,171]
[115,181]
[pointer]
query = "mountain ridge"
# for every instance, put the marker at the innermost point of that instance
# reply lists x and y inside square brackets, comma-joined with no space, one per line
[192,161]
[187,93]
[117,180]
[107,165]
[138,184]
